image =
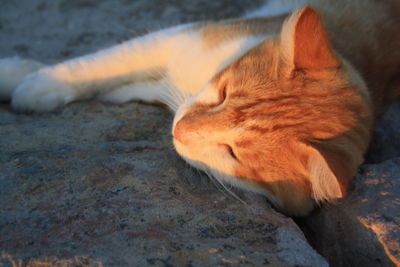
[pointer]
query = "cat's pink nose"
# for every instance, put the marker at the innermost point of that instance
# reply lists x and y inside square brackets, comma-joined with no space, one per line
[178,132]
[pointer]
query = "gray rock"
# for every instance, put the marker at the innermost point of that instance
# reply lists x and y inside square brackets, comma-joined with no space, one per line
[364,228]
[295,250]
[101,184]
[386,136]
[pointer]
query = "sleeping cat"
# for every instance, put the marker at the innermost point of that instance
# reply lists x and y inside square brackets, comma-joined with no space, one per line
[283,107]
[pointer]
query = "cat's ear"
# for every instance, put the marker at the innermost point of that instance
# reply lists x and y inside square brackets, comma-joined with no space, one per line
[327,173]
[305,43]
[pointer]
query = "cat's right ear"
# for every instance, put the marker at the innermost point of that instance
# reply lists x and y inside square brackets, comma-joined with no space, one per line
[304,42]
[327,172]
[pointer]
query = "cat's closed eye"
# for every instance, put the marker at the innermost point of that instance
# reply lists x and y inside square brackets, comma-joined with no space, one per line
[223,93]
[230,151]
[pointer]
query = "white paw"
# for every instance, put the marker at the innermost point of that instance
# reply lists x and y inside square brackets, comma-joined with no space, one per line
[41,92]
[12,71]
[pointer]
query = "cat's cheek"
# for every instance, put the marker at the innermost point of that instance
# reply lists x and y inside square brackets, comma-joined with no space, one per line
[206,158]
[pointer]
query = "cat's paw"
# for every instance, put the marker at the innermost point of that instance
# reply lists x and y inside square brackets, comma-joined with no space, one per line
[12,72]
[41,92]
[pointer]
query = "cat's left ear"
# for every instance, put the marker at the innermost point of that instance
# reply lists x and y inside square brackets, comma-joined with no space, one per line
[305,43]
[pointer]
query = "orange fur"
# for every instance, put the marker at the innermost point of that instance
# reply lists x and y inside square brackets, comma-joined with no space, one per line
[314,52]
[298,115]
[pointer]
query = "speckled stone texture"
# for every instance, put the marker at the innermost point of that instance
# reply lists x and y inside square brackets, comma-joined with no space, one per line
[93,184]
[102,183]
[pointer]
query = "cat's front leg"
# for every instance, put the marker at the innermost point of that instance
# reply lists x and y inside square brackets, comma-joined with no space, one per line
[40,91]
[85,77]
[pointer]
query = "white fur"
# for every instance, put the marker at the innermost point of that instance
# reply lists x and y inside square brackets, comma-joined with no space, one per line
[125,62]
[148,91]
[325,185]
[158,53]
[190,71]
[94,74]
[12,71]
[41,92]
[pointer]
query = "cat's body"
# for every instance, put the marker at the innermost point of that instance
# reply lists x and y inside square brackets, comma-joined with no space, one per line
[269,108]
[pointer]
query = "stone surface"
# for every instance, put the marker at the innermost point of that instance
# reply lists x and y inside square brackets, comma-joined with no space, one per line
[94,184]
[101,184]
[364,228]
[386,142]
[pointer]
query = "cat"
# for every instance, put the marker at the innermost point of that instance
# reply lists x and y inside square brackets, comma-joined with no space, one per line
[279,104]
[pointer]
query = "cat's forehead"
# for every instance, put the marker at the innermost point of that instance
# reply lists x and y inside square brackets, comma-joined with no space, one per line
[259,63]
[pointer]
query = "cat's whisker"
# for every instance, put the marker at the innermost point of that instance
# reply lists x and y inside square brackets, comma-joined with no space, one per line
[171,106]
[177,95]
[168,103]
[180,94]
[230,192]
[168,95]
[170,90]
[169,100]
[183,96]
[217,184]
[212,179]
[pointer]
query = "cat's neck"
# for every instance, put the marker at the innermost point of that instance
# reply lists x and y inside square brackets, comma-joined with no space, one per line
[366,34]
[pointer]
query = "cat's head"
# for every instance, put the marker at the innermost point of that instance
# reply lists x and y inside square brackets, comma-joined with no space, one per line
[289,119]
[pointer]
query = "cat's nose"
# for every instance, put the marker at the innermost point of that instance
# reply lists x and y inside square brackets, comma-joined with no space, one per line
[178,132]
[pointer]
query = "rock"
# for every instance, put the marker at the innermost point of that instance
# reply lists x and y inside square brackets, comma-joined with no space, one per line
[100,185]
[295,249]
[364,228]
[386,136]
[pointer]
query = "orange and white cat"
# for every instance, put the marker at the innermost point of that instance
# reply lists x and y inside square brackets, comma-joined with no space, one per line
[280,107]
